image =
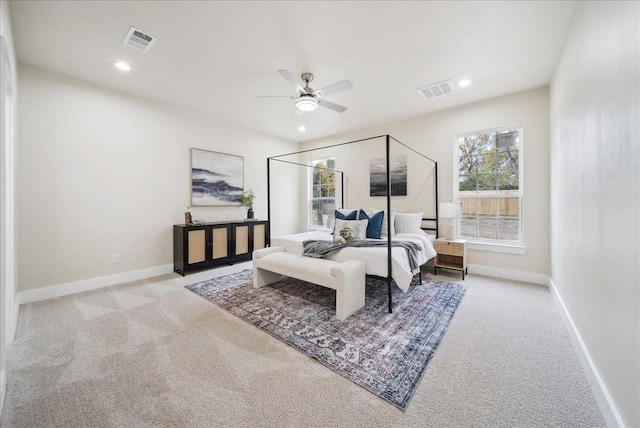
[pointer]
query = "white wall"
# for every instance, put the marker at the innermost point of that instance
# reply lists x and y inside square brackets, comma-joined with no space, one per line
[101,172]
[595,196]
[8,308]
[433,135]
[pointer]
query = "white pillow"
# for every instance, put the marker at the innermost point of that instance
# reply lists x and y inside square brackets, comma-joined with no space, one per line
[372,211]
[408,222]
[359,227]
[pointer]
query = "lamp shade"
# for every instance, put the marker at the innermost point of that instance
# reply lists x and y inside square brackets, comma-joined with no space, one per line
[449,210]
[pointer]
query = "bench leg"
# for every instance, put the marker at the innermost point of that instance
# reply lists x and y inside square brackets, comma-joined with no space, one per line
[263,277]
[349,299]
[350,290]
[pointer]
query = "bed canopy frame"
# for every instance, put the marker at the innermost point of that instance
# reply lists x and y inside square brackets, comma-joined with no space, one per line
[387,139]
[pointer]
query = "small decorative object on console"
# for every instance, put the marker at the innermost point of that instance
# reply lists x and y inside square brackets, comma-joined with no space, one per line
[247,200]
[187,216]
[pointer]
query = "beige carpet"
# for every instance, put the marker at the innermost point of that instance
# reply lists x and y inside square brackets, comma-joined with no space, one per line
[153,354]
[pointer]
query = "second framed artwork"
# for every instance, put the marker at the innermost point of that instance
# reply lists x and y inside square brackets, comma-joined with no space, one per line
[217,179]
[378,176]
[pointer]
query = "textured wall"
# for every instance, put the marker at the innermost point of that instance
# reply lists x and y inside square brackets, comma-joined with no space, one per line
[8,310]
[595,164]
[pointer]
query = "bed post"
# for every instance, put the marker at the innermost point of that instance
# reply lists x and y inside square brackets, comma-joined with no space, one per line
[269,194]
[341,189]
[437,228]
[389,223]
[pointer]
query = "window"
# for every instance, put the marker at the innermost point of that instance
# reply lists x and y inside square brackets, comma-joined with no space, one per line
[322,192]
[490,186]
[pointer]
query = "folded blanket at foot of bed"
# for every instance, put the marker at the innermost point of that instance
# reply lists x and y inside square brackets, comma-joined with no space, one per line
[323,249]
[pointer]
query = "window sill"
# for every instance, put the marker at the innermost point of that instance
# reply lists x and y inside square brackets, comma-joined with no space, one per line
[497,248]
[318,229]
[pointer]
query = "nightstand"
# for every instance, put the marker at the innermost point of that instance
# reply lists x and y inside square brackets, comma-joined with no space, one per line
[452,254]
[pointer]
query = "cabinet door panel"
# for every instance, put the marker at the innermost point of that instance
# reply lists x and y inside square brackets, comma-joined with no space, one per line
[242,240]
[259,236]
[220,243]
[196,246]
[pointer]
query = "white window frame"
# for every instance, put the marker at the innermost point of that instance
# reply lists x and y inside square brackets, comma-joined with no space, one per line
[516,247]
[310,198]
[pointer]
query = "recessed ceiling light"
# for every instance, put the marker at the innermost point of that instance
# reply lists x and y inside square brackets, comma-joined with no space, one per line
[302,128]
[121,65]
[464,83]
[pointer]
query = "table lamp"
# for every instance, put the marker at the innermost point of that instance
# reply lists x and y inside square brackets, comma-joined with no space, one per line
[451,211]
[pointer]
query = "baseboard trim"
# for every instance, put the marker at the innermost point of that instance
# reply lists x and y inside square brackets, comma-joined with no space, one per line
[90,284]
[3,390]
[603,398]
[11,334]
[515,275]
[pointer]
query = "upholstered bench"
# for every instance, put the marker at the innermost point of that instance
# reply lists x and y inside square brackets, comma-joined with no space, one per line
[348,278]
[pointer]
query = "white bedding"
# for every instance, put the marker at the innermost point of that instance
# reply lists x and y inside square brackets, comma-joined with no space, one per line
[374,258]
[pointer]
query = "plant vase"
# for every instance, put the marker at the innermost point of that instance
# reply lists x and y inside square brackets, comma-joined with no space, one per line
[247,200]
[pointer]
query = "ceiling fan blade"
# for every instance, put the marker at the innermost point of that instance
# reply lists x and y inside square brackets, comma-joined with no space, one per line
[298,112]
[336,87]
[331,106]
[292,80]
[275,96]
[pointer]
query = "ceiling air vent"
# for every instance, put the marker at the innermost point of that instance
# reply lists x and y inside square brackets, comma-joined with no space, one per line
[139,40]
[436,90]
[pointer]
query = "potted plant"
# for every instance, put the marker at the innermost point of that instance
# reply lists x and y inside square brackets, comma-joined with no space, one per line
[247,201]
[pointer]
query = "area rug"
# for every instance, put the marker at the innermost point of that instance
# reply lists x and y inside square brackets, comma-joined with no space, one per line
[387,354]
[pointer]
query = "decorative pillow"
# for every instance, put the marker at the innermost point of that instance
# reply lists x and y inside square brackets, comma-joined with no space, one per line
[383,232]
[346,214]
[341,214]
[374,228]
[359,227]
[408,222]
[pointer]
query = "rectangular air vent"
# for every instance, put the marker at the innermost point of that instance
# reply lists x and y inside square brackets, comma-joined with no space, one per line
[139,40]
[436,90]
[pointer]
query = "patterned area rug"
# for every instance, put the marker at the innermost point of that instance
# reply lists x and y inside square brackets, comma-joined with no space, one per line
[384,353]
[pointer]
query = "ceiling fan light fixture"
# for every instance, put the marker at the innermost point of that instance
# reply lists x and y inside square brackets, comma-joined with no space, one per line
[306,103]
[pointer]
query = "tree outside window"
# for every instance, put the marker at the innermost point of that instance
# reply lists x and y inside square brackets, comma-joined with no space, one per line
[489,185]
[323,190]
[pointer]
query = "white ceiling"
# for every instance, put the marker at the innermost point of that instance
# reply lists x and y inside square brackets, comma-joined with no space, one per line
[217,57]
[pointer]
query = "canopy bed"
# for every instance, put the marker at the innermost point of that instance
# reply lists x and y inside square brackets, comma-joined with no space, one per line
[392,246]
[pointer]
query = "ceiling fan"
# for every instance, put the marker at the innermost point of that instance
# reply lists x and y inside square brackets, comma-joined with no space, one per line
[308,99]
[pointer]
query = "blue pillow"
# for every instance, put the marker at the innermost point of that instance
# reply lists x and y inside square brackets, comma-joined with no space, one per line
[351,216]
[374,228]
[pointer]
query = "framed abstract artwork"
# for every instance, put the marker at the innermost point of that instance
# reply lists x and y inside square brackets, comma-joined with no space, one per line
[397,173]
[217,179]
